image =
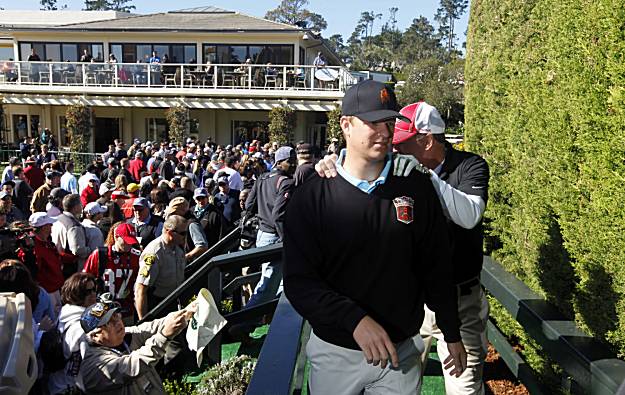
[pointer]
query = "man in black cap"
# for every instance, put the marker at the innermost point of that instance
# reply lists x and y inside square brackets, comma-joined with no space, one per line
[305,163]
[363,252]
[40,197]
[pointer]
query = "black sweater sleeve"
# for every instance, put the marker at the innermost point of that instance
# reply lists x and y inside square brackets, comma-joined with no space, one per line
[309,294]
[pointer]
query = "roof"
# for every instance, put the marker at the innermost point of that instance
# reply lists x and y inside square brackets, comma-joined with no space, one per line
[199,19]
[45,19]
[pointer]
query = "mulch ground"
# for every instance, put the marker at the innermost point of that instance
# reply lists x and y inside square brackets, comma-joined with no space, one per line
[499,380]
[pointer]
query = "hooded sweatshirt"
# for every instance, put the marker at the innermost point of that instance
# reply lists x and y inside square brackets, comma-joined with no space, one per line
[74,347]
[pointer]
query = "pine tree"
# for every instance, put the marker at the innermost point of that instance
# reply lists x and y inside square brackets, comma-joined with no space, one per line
[97,5]
[293,12]
[446,15]
[48,5]
[122,5]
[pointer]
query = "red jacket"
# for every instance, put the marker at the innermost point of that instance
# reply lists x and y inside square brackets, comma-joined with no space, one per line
[136,166]
[127,206]
[49,265]
[34,176]
[88,195]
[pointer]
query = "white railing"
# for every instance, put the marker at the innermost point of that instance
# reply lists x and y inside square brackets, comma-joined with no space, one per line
[176,75]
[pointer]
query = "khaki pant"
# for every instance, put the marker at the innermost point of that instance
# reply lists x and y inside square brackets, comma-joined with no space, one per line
[341,371]
[473,314]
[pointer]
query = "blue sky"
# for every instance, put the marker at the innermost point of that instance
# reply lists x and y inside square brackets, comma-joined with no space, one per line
[340,15]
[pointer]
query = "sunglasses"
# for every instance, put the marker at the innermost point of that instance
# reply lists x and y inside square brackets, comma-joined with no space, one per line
[184,233]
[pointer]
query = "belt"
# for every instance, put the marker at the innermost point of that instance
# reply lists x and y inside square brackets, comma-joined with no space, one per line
[465,287]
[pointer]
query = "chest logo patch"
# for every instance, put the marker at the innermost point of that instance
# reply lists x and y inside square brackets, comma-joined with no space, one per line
[404,206]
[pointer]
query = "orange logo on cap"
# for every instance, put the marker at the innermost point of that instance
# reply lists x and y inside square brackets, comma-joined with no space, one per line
[384,96]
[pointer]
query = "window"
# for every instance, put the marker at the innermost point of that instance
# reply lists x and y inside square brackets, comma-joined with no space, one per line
[53,52]
[131,53]
[6,52]
[70,52]
[156,129]
[302,55]
[243,131]
[60,52]
[225,54]
[144,53]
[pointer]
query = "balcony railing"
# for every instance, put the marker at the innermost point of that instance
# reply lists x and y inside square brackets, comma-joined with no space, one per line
[177,76]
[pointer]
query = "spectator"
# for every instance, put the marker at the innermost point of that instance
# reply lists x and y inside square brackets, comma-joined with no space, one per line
[127,206]
[131,371]
[86,56]
[162,265]
[232,171]
[269,198]
[185,190]
[54,207]
[110,172]
[69,235]
[40,196]
[78,292]
[25,147]
[160,200]
[121,182]
[147,225]
[195,243]
[22,192]
[116,266]
[166,168]
[305,164]
[48,259]
[6,206]
[319,61]
[68,180]
[83,181]
[228,200]
[90,192]
[208,215]
[120,150]
[46,156]
[93,214]
[125,170]
[136,166]
[7,173]
[33,173]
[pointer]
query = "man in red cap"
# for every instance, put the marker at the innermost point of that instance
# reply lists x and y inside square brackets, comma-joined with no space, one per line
[116,267]
[362,253]
[461,181]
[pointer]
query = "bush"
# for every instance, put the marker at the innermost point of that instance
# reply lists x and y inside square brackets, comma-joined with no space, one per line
[230,377]
[79,125]
[333,127]
[177,118]
[281,125]
[545,105]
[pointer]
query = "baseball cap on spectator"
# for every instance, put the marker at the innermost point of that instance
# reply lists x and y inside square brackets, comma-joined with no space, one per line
[8,182]
[138,154]
[305,148]
[40,219]
[422,118]
[118,194]
[93,177]
[141,201]
[98,315]
[283,153]
[222,180]
[94,208]
[52,174]
[258,155]
[110,161]
[132,187]
[371,101]
[200,192]
[174,204]
[104,188]
[58,193]
[4,194]
[148,143]
[191,145]
[127,232]
[189,140]
[137,141]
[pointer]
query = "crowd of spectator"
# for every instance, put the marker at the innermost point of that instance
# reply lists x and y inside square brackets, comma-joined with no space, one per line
[95,251]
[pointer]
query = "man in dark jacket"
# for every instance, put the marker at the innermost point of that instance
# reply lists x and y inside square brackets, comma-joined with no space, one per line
[269,199]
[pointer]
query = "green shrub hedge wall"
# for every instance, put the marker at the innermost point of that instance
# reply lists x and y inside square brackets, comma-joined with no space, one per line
[545,105]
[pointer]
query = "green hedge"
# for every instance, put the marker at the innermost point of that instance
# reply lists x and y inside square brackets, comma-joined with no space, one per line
[545,105]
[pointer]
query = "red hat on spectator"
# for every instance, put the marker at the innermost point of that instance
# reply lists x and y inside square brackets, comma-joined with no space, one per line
[126,232]
[424,119]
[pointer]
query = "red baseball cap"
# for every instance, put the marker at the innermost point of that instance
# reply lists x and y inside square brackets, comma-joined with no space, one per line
[423,117]
[126,232]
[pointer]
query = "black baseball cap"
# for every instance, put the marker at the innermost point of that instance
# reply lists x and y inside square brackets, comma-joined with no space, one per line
[371,101]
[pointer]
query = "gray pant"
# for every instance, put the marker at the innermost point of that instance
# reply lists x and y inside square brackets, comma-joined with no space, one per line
[473,315]
[342,371]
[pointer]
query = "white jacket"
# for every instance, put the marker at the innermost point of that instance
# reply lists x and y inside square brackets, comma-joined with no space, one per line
[74,341]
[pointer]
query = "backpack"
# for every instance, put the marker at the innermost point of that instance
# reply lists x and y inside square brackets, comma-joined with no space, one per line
[51,350]
[102,261]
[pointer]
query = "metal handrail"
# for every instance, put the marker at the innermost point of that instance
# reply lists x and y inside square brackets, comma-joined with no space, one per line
[177,75]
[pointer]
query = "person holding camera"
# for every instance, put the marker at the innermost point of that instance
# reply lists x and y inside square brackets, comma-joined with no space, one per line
[112,366]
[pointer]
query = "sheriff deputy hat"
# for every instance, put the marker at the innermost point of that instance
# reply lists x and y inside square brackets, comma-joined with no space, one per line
[422,118]
[371,101]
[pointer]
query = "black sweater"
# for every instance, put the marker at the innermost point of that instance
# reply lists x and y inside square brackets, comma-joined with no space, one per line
[347,255]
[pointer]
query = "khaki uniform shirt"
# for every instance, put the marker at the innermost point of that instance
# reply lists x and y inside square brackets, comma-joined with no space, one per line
[161,267]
